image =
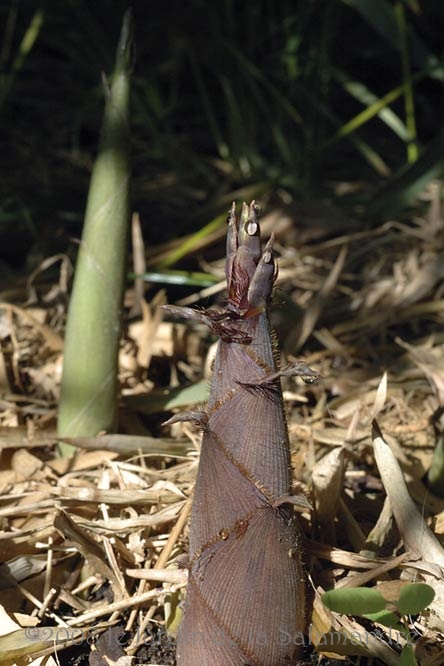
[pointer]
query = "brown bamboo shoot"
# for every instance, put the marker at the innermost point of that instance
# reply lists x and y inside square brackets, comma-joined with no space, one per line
[245,600]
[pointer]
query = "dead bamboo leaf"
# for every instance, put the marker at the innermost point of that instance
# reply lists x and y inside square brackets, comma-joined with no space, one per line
[312,314]
[327,478]
[139,263]
[166,492]
[52,339]
[431,363]
[381,396]
[415,533]
[179,576]
[127,444]
[91,550]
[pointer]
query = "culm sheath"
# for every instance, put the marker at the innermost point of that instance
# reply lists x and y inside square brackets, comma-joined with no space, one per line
[245,601]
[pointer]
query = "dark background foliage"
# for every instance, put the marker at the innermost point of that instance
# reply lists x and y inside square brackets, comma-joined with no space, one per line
[227,95]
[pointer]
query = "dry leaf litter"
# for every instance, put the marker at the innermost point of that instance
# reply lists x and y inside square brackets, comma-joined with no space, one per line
[93,549]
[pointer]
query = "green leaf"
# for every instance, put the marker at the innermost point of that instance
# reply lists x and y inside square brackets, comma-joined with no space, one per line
[354,601]
[374,108]
[414,598]
[372,103]
[385,617]
[173,612]
[190,244]
[167,399]
[407,656]
[185,278]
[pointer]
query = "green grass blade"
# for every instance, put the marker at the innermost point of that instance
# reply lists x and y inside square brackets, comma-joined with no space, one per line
[25,47]
[367,114]
[361,93]
[369,154]
[181,278]
[189,244]
[412,147]
[89,384]
[29,39]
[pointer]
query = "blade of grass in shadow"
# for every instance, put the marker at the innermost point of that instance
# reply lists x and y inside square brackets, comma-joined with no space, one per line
[367,114]
[190,244]
[279,99]
[23,50]
[381,16]
[409,103]
[368,153]
[375,106]
[89,384]
[205,97]
[237,132]
[371,157]
[361,93]
[403,188]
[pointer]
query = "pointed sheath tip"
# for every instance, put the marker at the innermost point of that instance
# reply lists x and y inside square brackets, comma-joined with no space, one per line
[249,239]
[261,285]
[267,254]
[125,49]
[245,212]
[231,219]
[231,244]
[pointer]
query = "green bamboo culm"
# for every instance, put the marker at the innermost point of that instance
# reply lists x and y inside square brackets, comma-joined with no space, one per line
[88,398]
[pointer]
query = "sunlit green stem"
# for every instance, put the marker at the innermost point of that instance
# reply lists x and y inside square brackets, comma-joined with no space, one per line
[89,385]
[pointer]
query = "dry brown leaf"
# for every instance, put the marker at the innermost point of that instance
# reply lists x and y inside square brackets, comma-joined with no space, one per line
[327,478]
[381,396]
[315,308]
[431,362]
[91,550]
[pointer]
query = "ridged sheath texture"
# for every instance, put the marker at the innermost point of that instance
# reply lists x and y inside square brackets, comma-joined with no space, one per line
[245,600]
